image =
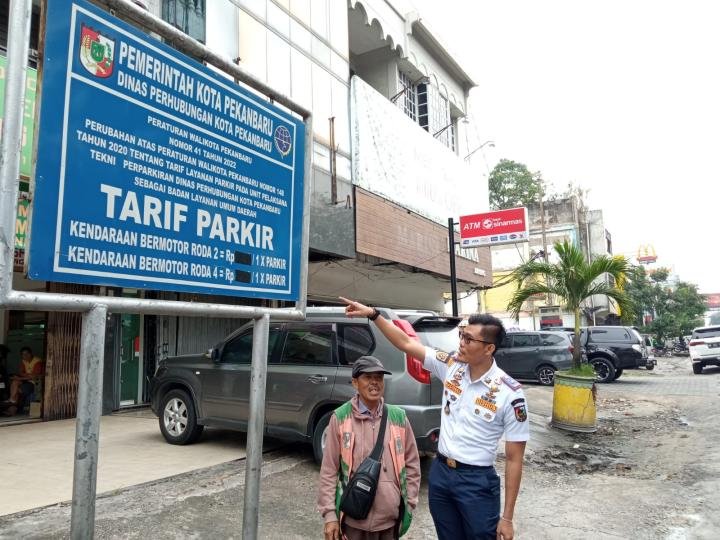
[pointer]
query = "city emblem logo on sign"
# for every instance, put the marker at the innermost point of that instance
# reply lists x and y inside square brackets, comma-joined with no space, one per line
[96,52]
[283,141]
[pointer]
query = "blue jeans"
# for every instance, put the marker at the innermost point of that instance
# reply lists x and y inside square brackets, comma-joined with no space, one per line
[464,502]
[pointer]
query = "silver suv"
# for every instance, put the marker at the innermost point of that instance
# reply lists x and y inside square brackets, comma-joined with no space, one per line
[309,375]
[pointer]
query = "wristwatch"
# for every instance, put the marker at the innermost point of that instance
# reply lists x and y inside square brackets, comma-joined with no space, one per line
[375,314]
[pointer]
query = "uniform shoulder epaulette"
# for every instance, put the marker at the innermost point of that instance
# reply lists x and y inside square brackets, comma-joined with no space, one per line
[511,383]
[442,356]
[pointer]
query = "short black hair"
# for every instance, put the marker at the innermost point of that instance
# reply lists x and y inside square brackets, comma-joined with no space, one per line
[493,328]
[28,349]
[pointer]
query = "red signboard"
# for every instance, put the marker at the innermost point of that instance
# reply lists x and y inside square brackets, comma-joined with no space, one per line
[491,228]
[712,300]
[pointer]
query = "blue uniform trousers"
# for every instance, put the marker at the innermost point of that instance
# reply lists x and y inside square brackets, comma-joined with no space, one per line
[464,502]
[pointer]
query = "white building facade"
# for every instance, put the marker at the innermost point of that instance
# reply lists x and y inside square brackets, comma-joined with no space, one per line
[389,104]
[389,144]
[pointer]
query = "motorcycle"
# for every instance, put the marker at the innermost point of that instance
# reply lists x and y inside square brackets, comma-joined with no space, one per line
[680,348]
[662,351]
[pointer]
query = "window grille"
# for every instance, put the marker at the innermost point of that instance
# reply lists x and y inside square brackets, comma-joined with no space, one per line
[424,104]
[409,97]
[186,15]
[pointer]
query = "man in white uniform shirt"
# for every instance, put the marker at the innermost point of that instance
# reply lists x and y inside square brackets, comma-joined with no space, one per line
[480,404]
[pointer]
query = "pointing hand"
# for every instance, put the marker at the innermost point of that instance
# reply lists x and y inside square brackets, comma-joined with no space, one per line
[356,309]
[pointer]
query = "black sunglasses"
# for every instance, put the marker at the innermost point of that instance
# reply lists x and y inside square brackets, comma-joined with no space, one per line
[467,338]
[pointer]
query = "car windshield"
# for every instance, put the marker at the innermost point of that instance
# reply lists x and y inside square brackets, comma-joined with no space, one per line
[711,331]
[637,335]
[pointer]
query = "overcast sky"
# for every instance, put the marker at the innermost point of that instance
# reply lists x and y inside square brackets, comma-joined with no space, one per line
[621,97]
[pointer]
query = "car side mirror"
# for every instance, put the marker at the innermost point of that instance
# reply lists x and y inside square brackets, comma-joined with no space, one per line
[213,354]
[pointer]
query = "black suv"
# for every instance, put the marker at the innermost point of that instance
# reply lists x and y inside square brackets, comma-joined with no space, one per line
[612,349]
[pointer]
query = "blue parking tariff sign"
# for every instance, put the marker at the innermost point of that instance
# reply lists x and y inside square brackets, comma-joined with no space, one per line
[155,172]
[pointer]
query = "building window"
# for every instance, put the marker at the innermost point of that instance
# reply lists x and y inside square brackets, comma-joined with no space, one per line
[186,15]
[424,104]
[409,101]
[442,125]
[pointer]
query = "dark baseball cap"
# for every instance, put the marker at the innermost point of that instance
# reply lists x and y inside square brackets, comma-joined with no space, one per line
[368,364]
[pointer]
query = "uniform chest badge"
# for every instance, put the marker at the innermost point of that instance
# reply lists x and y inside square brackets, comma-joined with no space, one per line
[520,409]
[453,387]
[442,356]
[486,404]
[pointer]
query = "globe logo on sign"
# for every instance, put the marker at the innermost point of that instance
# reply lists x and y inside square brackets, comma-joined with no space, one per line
[283,142]
[487,223]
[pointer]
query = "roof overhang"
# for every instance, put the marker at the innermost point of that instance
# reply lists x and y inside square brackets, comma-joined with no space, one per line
[427,38]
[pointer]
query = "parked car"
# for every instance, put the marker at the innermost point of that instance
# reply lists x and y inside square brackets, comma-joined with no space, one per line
[571,335]
[648,342]
[309,375]
[704,348]
[613,349]
[535,355]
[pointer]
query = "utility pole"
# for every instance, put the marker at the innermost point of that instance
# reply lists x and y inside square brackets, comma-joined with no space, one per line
[544,237]
[453,274]
[542,221]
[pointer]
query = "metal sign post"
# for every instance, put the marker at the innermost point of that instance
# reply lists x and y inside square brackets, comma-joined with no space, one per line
[253,457]
[96,308]
[87,424]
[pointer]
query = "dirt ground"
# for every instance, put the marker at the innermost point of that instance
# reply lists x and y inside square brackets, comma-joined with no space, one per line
[650,472]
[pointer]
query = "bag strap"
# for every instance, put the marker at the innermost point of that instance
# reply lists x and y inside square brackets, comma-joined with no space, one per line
[377,451]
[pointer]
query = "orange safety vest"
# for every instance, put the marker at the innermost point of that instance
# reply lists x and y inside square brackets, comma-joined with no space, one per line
[396,429]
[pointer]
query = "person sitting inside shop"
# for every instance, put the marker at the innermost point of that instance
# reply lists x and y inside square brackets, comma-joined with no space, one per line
[4,378]
[21,385]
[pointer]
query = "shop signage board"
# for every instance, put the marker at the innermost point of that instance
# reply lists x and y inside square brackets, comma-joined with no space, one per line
[28,114]
[25,155]
[155,172]
[493,228]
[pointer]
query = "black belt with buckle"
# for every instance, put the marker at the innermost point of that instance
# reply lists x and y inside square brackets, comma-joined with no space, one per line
[454,464]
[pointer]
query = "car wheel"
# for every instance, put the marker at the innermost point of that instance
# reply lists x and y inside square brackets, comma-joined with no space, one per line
[604,370]
[545,375]
[697,369]
[320,436]
[618,372]
[178,421]
[650,367]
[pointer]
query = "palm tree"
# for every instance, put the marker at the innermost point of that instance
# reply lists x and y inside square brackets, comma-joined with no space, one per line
[572,279]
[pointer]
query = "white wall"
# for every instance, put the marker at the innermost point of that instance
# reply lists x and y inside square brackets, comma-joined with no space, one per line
[298,47]
[397,159]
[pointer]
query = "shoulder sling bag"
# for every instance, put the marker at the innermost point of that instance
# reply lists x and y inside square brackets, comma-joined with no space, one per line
[359,493]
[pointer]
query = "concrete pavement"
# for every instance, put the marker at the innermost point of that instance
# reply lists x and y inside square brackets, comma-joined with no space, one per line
[37,459]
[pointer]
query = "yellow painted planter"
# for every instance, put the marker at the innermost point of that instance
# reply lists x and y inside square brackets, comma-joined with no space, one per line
[574,403]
